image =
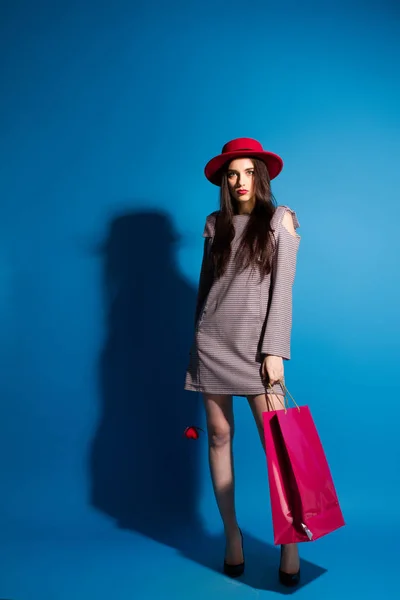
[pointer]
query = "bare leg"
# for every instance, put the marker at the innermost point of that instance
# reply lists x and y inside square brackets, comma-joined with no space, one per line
[290,561]
[220,429]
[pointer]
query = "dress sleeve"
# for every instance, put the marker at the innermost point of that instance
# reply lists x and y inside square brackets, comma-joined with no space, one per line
[206,271]
[278,327]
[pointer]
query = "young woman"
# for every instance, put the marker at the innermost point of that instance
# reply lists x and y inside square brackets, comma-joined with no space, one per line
[243,318]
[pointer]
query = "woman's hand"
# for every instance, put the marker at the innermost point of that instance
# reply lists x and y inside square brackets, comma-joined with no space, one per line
[272,369]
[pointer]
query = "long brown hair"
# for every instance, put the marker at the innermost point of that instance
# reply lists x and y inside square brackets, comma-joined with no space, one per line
[257,245]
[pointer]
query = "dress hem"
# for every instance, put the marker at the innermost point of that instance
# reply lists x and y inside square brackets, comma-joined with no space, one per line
[257,392]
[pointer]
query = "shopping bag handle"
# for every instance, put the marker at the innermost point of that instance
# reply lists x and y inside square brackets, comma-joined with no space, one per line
[285,403]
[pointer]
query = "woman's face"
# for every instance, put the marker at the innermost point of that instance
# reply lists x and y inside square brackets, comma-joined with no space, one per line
[241,179]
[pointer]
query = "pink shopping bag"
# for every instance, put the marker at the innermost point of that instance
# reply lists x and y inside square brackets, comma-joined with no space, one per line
[304,502]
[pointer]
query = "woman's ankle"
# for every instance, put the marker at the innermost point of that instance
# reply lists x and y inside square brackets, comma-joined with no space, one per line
[231,530]
[290,559]
[289,547]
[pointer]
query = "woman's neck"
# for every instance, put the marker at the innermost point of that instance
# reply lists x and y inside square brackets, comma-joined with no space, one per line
[246,208]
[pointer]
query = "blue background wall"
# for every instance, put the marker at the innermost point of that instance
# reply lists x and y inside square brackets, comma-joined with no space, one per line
[108,115]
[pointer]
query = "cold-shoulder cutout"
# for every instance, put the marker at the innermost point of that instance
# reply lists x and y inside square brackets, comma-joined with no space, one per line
[285,219]
[287,222]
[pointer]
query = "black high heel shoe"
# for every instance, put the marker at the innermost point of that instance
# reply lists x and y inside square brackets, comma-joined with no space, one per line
[235,570]
[288,579]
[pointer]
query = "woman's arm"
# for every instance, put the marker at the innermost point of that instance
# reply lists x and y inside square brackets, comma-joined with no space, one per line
[205,280]
[276,340]
[207,270]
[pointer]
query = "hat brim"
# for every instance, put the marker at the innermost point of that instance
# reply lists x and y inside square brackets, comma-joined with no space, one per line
[214,168]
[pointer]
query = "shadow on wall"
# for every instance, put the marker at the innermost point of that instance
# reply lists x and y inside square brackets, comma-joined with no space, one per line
[144,473]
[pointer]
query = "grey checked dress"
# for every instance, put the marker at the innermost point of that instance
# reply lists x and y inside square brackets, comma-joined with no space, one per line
[240,318]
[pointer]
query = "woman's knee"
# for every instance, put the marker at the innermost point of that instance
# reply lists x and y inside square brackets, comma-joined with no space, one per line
[220,435]
[220,422]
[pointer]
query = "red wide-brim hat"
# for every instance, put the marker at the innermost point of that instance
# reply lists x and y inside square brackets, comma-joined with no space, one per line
[240,148]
